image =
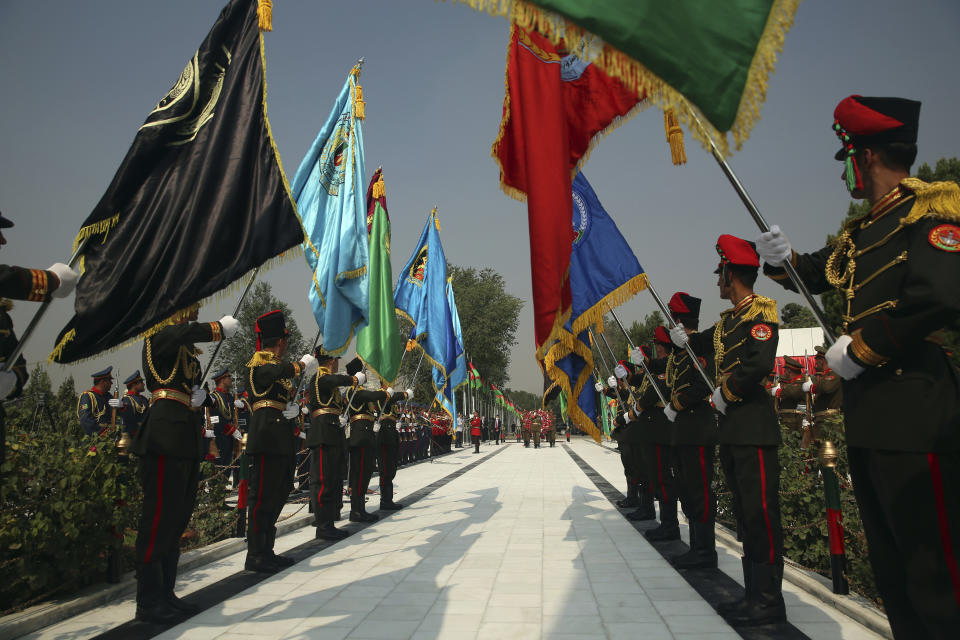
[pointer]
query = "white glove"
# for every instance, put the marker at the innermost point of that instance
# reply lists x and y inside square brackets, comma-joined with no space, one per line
[612,382]
[237,435]
[636,356]
[343,420]
[197,397]
[304,410]
[208,433]
[292,411]
[409,394]
[310,364]
[229,326]
[116,403]
[389,391]
[773,247]
[620,371]
[598,387]
[804,423]
[774,390]
[8,382]
[807,386]
[376,427]
[214,419]
[361,377]
[678,336]
[302,435]
[840,361]
[718,401]
[670,413]
[238,403]
[68,279]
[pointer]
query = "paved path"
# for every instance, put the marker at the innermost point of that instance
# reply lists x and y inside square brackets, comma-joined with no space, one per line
[513,543]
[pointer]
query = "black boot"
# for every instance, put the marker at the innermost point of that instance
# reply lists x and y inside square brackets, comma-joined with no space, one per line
[669,528]
[703,553]
[151,605]
[386,500]
[765,605]
[258,556]
[280,561]
[734,605]
[169,565]
[362,516]
[632,499]
[646,510]
[326,531]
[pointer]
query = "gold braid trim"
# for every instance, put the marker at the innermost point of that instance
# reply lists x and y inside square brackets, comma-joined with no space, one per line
[864,353]
[937,200]
[764,308]
[263,357]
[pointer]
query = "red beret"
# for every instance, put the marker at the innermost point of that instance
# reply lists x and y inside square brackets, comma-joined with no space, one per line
[737,251]
[660,335]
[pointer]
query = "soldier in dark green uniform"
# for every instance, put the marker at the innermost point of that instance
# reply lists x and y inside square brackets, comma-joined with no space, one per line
[388,445]
[362,443]
[694,440]
[134,404]
[17,283]
[168,446]
[896,271]
[328,443]
[789,393]
[93,405]
[826,389]
[271,441]
[628,432]
[742,348]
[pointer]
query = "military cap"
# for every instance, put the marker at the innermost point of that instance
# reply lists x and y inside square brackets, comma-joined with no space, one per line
[661,335]
[322,355]
[821,352]
[133,378]
[269,326]
[737,252]
[790,363]
[5,223]
[862,121]
[100,375]
[221,374]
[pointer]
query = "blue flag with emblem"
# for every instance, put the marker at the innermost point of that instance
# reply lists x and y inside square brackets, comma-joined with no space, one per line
[458,376]
[421,297]
[604,273]
[328,188]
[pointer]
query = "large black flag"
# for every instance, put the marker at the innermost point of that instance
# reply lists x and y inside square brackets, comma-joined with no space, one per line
[199,200]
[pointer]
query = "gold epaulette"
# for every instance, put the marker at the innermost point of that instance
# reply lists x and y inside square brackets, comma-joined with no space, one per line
[937,200]
[263,357]
[761,307]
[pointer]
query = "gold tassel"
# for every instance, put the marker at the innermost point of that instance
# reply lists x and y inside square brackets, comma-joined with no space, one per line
[265,14]
[359,106]
[411,344]
[379,189]
[674,137]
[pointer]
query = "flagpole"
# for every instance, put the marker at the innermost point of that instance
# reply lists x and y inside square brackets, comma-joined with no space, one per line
[236,312]
[44,306]
[653,380]
[414,379]
[600,351]
[612,355]
[764,227]
[672,323]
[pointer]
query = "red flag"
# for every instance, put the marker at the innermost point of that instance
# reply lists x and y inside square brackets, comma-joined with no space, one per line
[554,107]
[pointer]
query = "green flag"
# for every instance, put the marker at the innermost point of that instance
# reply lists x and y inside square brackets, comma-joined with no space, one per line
[563,406]
[378,344]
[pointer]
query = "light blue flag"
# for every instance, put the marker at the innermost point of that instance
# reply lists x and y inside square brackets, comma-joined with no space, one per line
[458,376]
[421,297]
[328,188]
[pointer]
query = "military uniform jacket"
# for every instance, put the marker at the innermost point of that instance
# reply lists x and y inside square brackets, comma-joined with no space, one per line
[743,347]
[791,392]
[657,429]
[134,410]
[696,422]
[389,415]
[363,412]
[93,411]
[827,391]
[223,408]
[18,283]
[8,342]
[896,270]
[171,369]
[326,405]
[271,387]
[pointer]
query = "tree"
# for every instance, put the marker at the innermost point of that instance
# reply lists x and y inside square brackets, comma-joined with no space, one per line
[236,351]
[796,316]
[524,400]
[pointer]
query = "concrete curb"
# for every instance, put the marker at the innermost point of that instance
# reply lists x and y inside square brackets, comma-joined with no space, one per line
[43,615]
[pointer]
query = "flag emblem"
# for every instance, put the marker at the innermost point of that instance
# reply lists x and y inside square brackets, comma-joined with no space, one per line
[332,166]
[418,267]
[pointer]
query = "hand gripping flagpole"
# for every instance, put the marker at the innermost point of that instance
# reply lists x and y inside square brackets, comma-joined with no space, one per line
[236,312]
[764,227]
[12,358]
[612,355]
[643,363]
[670,321]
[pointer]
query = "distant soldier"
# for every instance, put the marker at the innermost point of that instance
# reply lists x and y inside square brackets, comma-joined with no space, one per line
[133,404]
[35,285]
[362,444]
[790,393]
[826,389]
[271,440]
[93,406]
[168,446]
[223,418]
[388,445]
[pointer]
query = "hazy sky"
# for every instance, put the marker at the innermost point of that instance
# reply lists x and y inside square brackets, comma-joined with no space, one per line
[78,78]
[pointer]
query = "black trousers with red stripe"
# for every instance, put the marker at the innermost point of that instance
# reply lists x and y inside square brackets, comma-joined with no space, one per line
[326,482]
[169,493]
[753,476]
[362,459]
[910,508]
[695,480]
[387,457]
[271,481]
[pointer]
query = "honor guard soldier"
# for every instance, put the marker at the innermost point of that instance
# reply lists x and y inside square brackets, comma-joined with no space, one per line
[476,431]
[388,445]
[168,444]
[93,406]
[790,392]
[35,285]
[134,404]
[629,440]
[362,443]
[825,387]
[742,348]
[694,439]
[223,418]
[328,442]
[271,441]
[657,439]
[895,268]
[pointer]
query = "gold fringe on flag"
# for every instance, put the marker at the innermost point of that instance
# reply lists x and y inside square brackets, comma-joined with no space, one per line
[265,14]
[674,137]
